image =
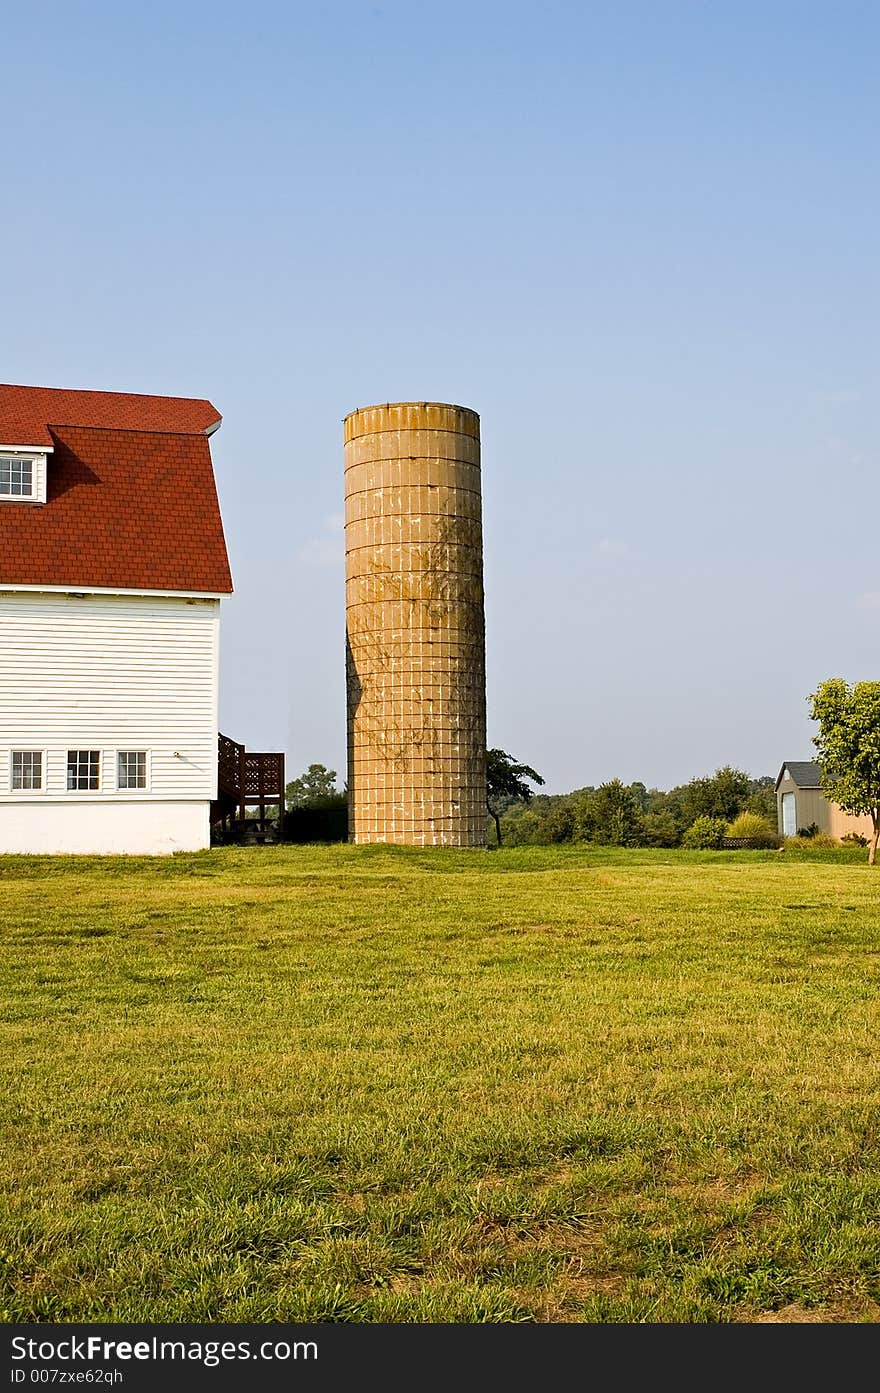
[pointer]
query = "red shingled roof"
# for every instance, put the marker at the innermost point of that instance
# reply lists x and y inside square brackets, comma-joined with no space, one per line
[26,413]
[131,502]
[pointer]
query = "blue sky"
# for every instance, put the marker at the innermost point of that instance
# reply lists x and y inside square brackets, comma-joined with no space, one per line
[639,238]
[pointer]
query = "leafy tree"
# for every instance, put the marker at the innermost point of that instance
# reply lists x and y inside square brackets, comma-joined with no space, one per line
[610,816]
[547,819]
[522,826]
[723,795]
[558,823]
[642,796]
[506,784]
[633,815]
[762,798]
[312,789]
[663,817]
[316,810]
[848,744]
[660,828]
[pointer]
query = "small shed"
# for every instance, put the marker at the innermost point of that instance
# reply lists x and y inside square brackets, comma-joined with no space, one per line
[800,803]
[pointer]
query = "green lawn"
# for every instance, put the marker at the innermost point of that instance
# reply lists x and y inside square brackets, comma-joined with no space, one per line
[385,1085]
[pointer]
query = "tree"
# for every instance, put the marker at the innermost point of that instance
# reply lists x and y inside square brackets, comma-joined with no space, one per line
[610,815]
[506,784]
[848,745]
[762,797]
[313,788]
[722,795]
[660,828]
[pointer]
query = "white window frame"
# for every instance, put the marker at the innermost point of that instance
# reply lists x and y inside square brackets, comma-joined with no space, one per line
[37,463]
[90,791]
[132,750]
[28,792]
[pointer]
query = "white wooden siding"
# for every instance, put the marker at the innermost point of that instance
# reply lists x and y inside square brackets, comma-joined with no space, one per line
[111,672]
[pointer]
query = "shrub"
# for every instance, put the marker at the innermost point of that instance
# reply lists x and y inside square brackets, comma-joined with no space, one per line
[558,824]
[819,841]
[751,827]
[704,834]
[808,831]
[325,823]
[543,821]
[521,825]
[855,838]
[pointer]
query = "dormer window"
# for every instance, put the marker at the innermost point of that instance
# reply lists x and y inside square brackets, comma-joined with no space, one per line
[22,476]
[16,476]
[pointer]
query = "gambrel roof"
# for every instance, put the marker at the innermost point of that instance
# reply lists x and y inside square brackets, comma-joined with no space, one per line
[27,413]
[804,773]
[131,502]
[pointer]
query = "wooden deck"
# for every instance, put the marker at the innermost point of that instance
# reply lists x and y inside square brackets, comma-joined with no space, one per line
[247,779]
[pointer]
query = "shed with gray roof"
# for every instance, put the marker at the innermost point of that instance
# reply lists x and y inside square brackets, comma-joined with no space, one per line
[801,805]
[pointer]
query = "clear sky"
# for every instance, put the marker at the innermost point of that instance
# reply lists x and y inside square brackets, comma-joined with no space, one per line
[639,237]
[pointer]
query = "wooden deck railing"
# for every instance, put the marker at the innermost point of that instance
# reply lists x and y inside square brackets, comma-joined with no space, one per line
[247,779]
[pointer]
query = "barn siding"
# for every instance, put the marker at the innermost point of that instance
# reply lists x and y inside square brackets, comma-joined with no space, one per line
[810,803]
[111,672]
[842,823]
[812,806]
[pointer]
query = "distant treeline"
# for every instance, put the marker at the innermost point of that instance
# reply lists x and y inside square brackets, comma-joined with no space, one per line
[618,814]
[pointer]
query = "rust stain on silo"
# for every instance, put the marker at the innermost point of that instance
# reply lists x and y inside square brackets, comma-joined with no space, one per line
[415,632]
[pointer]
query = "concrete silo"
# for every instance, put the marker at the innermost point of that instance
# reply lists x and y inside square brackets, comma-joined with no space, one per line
[415,630]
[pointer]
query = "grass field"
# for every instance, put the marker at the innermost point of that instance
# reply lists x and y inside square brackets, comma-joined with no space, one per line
[369,1084]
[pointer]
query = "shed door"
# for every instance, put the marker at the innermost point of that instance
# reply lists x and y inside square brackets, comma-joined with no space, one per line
[789,815]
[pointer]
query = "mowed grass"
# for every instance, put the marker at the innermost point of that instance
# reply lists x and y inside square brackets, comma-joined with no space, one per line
[342,1083]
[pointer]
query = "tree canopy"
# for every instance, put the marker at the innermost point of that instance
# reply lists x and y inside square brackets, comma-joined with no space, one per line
[312,789]
[611,815]
[633,815]
[506,784]
[848,746]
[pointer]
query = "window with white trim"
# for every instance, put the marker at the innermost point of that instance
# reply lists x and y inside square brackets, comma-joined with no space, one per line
[83,769]
[131,768]
[16,476]
[27,769]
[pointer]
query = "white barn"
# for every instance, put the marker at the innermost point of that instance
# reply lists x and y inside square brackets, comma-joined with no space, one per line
[112,567]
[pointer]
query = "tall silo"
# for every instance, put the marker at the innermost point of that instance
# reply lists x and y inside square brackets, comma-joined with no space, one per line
[415,651]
